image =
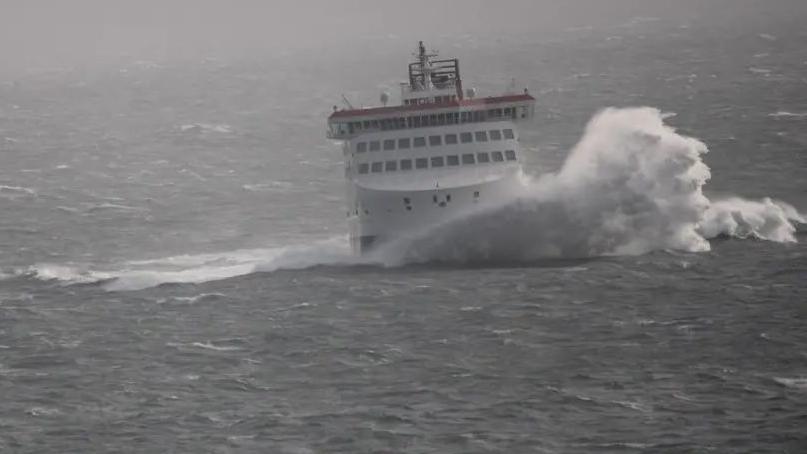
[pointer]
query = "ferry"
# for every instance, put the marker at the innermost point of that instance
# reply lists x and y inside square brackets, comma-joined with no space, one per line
[441,152]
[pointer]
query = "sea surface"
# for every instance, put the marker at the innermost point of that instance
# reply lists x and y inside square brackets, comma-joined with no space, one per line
[175,276]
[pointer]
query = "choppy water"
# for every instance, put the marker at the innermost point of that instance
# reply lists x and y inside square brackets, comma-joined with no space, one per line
[175,274]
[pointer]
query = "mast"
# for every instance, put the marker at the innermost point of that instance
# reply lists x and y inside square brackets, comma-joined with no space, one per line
[426,73]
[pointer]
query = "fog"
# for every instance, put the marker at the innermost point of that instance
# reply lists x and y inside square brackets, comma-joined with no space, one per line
[53,33]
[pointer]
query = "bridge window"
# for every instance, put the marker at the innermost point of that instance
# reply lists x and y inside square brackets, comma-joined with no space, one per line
[403,143]
[481,136]
[508,134]
[437,161]
[364,168]
[376,167]
[391,166]
[389,144]
[421,163]
[495,134]
[406,164]
[468,158]
[453,160]
[510,155]
[375,145]
[420,142]
[361,147]
[482,158]
[435,141]
[466,137]
[497,156]
[451,139]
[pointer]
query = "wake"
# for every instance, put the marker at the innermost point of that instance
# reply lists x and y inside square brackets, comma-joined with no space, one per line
[632,185]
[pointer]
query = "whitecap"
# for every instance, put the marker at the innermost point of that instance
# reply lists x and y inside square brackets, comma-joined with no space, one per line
[788,115]
[206,128]
[16,190]
[797,383]
[203,345]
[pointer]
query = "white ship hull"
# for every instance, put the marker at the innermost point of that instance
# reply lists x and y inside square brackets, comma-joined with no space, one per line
[388,217]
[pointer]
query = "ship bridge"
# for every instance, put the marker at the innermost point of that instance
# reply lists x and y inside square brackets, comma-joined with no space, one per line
[433,96]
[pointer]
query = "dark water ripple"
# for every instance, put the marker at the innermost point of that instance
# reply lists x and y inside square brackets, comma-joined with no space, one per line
[556,359]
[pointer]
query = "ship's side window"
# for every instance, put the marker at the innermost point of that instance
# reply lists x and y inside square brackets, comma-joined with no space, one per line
[437,161]
[364,168]
[466,137]
[421,163]
[510,155]
[406,164]
[375,145]
[435,141]
[376,167]
[453,160]
[420,142]
[391,166]
[361,147]
[495,134]
[481,136]
[508,134]
[497,156]
[482,158]
[451,139]
[389,144]
[403,143]
[468,158]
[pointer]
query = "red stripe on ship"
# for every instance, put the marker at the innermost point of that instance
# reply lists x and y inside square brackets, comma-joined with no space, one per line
[417,107]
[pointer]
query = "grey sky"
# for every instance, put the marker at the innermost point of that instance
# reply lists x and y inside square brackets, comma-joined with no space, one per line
[76,32]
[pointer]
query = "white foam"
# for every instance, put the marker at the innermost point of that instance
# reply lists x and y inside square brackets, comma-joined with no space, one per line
[206,127]
[16,190]
[141,274]
[788,115]
[797,383]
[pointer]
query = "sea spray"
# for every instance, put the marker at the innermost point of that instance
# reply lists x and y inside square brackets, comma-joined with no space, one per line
[630,186]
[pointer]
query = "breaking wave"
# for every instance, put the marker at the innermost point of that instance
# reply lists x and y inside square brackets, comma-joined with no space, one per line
[631,185]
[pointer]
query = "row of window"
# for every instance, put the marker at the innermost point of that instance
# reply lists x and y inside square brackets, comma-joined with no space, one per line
[436,100]
[436,119]
[434,141]
[437,161]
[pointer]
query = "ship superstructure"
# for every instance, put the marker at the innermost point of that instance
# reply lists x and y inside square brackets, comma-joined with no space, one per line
[441,151]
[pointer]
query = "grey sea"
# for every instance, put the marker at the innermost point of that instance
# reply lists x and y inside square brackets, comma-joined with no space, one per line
[175,275]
